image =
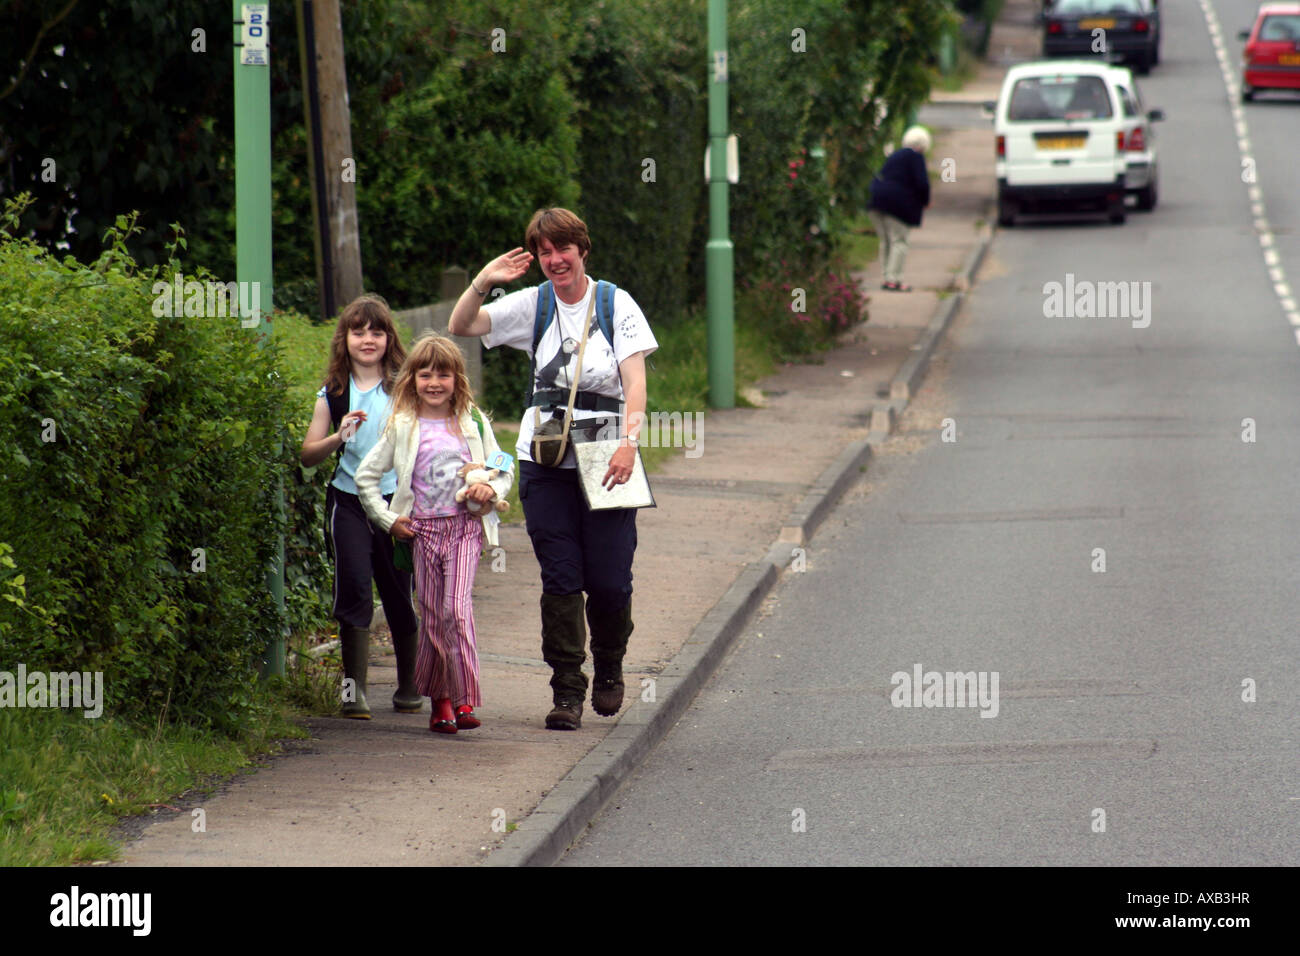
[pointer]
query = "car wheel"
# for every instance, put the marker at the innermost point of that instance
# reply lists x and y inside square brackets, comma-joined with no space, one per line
[1006,212]
[1247,94]
[1116,212]
[1155,56]
[1143,64]
[1147,197]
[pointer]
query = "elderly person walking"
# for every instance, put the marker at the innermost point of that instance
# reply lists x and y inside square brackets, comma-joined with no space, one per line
[899,193]
[579,550]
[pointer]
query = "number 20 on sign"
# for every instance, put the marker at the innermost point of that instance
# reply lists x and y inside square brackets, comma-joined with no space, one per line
[257,29]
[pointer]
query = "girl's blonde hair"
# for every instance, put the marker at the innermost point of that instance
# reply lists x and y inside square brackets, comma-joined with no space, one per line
[441,354]
[365,311]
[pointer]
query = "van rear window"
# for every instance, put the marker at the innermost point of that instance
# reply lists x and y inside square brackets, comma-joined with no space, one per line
[1076,7]
[1060,97]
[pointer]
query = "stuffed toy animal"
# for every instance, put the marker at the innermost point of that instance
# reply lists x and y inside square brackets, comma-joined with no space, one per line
[475,473]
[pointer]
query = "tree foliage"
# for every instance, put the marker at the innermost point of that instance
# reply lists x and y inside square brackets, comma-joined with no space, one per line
[458,138]
[115,111]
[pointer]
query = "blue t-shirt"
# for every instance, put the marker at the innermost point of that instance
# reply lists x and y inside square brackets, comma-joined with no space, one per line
[376,403]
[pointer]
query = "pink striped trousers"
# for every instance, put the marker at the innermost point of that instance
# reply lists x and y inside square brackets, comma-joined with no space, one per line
[445,553]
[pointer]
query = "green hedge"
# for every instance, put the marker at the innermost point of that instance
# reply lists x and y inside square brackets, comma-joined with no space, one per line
[456,164]
[644,100]
[135,440]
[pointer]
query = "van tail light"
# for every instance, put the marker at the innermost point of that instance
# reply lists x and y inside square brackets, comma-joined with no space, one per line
[1054,26]
[1119,142]
[1141,26]
[1137,141]
[1002,147]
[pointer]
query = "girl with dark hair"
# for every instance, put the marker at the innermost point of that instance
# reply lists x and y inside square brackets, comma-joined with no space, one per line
[351,410]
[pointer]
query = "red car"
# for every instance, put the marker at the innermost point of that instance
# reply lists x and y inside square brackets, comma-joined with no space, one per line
[1271,59]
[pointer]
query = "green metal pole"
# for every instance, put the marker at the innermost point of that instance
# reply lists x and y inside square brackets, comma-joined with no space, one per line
[719,258]
[253,224]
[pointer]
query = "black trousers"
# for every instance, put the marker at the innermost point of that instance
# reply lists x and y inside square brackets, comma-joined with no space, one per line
[579,550]
[361,553]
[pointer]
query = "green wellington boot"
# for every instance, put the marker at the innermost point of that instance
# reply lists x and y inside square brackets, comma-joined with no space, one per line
[609,634]
[564,647]
[356,654]
[406,699]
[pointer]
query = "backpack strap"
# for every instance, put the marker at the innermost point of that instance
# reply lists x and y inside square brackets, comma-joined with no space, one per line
[605,308]
[338,404]
[338,408]
[541,319]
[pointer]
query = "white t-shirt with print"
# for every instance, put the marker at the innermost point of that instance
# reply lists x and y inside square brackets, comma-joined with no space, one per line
[557,353]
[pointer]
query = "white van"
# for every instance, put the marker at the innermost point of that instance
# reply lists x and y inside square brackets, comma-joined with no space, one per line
[1142,175]
[1060,127]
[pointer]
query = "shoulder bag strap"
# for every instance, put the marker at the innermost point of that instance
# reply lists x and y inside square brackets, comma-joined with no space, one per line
[573,388]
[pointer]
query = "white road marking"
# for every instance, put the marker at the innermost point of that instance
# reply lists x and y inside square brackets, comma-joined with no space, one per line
[1256,194]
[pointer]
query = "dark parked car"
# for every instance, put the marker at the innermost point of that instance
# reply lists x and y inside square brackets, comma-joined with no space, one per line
[1120,30]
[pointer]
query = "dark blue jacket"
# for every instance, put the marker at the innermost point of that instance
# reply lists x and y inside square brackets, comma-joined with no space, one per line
[902,187]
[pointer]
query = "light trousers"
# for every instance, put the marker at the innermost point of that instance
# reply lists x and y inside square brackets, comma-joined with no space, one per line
[445,553]
[893,233]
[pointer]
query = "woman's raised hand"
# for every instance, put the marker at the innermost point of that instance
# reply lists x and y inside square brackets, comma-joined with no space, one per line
[508,267]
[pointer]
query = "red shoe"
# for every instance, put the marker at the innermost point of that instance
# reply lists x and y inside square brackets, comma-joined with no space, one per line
[465,719]
[442,720]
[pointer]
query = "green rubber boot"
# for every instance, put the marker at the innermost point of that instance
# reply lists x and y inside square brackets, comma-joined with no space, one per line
[406,699]
[564,647]
[609,634]
[356,655]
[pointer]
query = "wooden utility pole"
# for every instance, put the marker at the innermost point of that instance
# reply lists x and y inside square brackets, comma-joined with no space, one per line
[331,162]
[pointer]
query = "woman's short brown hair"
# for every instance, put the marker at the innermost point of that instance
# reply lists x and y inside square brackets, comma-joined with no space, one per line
[560,227]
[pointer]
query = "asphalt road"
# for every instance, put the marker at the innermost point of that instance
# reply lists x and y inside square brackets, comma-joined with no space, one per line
[1120,691]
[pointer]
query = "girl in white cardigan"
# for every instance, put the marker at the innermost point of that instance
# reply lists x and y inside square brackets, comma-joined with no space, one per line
[435,430]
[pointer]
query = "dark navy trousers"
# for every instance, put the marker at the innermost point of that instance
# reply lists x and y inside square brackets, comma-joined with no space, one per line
[578,549]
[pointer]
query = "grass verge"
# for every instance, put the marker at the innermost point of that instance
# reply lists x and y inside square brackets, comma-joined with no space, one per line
[65,781]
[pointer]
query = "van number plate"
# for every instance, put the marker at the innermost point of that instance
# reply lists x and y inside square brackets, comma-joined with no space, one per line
[1061,142]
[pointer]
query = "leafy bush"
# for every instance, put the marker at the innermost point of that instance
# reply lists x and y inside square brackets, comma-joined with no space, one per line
[457,163]
[801,315]
[135,490]
[829,86]
[644,99]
